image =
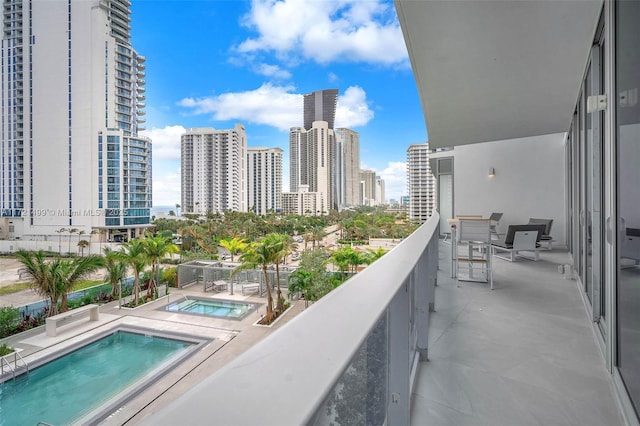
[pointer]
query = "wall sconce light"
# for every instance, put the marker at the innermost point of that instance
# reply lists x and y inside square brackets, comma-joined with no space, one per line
[492,172]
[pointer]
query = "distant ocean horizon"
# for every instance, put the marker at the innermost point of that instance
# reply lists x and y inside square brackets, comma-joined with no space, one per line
[163,209]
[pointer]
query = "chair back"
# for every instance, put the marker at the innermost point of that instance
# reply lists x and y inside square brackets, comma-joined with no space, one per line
[473,230]
[495,217]
[511,232]
[525,240]
[546,222]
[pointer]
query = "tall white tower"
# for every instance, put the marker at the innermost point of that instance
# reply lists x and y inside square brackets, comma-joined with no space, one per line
[264,179]
[312,156]
[420,182]
[213,170]
[347,167]
[72,103]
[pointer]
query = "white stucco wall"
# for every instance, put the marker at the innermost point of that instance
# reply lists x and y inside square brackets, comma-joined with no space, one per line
[529,181]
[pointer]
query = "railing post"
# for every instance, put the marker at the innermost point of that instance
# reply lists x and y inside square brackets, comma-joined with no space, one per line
[399,360]
[432,271]
[424,300]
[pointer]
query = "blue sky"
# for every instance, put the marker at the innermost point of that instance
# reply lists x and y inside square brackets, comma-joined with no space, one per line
[213,63]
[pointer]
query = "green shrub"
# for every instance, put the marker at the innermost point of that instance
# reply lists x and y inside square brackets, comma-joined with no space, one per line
[169,276]
[5,350]
[9,318]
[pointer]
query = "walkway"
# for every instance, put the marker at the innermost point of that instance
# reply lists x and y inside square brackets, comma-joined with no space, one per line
[522,354]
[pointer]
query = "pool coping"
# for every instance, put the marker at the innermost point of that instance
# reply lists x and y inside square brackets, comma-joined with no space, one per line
[112,404]
[254,307]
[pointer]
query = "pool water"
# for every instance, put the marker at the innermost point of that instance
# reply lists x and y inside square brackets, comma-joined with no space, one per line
[70,387]
[211,307]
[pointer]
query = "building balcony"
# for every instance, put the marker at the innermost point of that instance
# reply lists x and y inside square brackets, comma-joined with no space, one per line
[523,353]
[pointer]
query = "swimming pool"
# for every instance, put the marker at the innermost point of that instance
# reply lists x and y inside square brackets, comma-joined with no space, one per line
[212,307]
[78,383]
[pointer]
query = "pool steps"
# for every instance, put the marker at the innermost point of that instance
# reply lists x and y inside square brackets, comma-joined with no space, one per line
[5,361]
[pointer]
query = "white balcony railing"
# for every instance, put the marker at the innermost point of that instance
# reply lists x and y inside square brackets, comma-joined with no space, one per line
[350,358]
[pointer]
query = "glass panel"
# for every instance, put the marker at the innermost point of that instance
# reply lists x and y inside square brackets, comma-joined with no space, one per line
[594,207]
[588,184]
[445,201]
[360,396]
[628,144]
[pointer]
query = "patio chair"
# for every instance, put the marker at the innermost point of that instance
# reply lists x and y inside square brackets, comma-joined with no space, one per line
[546,236]
[519,238]
[494,221]
[474,234]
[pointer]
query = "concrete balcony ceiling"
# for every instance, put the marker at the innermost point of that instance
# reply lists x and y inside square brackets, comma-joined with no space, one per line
[494,70]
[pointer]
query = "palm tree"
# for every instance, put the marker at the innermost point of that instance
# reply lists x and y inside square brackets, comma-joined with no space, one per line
[70,271]
[42,274]
[282,245]
[155,249]
[374,254]
[71,232]
[56,278]
[233,245]
[59,232]
[133,254]
[318,234]
[82,244]
[116,270]
[259,254]
[300,281]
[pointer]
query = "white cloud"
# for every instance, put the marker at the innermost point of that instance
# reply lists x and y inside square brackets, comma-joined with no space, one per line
[325,31]
[278,106]
[395,179]
[353,109]
[166,142]
[166,186]
[270,105]
[273,71]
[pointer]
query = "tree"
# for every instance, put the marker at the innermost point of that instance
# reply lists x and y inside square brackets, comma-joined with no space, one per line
[282,245]
[116,270]
[41,272]
[321,283]
[156,248]
[133,254]
[70,271]
[317,234]
[71,231]
[259,254]
[300,281]
[374,254]
[54,279]
[59,232]
[233,245]
[82,244]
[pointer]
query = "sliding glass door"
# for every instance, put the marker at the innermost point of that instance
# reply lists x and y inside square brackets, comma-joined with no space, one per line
[627,114]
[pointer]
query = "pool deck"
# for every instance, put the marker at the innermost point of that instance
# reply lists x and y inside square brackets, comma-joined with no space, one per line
[228,338]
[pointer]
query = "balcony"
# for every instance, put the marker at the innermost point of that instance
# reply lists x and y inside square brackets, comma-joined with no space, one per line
[524,353]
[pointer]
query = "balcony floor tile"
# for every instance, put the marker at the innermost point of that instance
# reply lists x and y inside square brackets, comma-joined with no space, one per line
[522,354]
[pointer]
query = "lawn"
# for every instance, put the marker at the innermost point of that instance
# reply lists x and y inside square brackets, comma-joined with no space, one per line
[14,288]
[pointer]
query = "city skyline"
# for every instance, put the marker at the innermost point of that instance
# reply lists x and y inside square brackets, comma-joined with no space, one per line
[249,63]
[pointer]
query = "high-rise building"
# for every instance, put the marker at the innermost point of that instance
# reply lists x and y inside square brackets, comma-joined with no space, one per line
[313,151]
[320,106]
[213,170]
[312,154]
[72,102]
[347,168]
[368,187]
[380,191]
[264,180]
[420,182]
